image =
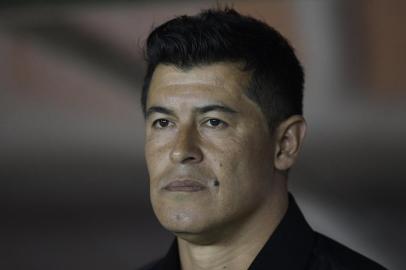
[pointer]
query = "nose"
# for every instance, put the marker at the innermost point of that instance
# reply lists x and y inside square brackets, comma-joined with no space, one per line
[186,148]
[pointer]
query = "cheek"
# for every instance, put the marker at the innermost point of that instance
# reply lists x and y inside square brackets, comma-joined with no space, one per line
[155,163]
[157,139]
[229,166]
[243,164]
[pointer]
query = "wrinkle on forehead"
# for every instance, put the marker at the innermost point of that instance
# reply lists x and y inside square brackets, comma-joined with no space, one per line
[222,75]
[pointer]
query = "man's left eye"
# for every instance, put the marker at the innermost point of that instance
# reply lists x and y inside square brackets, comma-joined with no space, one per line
[215,123]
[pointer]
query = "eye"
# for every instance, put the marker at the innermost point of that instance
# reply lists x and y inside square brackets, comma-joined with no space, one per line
[161,123]
[215,123]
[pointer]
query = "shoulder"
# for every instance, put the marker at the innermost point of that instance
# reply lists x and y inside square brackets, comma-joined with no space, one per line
[329,254]
[151,266]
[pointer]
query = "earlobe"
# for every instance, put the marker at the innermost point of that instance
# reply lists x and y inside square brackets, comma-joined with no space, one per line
[289,139]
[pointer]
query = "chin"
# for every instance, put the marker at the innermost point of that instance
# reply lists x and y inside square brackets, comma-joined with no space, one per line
[185,214]
[180,221]
[197,230]
[187,221]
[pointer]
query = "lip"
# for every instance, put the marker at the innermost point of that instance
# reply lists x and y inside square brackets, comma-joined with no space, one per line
[184,186]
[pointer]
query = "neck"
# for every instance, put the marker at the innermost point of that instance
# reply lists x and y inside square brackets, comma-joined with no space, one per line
[239,250]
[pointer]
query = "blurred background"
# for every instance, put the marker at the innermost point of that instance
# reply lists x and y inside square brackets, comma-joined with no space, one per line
[73,183]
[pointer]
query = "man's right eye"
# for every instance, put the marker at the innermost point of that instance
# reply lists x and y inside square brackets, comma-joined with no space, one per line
[162,123]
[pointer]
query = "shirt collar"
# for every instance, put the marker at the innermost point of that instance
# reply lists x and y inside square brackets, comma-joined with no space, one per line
[289,246]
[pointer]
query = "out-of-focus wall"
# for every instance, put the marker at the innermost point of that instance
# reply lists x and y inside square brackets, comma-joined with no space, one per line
[73,186]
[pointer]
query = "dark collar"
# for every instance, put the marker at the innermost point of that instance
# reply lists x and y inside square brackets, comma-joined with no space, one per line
[289,247]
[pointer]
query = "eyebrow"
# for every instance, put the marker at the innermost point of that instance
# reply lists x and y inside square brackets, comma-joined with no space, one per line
[200,110]
[215,107]
[158,109]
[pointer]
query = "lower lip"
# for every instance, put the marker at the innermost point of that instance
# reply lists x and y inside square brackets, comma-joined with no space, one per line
[184,188]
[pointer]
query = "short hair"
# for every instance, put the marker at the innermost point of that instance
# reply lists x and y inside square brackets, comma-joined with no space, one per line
[224,35]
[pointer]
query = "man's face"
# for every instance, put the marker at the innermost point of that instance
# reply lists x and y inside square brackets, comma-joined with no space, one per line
[208,149]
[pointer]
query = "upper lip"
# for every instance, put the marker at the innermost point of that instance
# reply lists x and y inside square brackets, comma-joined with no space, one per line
[184,185]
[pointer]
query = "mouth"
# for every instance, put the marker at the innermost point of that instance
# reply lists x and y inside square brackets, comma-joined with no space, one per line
[185,186]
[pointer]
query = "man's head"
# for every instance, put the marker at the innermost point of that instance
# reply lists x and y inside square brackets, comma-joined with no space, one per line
[276,82]
[223,102]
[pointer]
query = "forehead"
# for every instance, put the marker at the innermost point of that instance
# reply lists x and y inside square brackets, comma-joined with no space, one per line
[226,81]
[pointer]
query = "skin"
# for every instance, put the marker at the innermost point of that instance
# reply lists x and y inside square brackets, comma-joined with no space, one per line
[201,126]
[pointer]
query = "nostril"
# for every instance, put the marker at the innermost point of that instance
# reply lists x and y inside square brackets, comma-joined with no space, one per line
[189,159]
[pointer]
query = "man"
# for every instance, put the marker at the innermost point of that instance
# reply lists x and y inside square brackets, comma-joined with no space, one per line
[222,100]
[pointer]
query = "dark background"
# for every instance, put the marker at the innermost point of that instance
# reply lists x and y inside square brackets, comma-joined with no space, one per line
[73,184]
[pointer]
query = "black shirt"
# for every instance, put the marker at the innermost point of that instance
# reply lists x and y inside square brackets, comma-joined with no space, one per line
[292,246]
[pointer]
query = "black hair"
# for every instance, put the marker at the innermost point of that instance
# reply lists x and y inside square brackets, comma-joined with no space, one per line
[224,35]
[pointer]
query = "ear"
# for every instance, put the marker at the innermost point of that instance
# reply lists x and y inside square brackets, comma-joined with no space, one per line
[289,138]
